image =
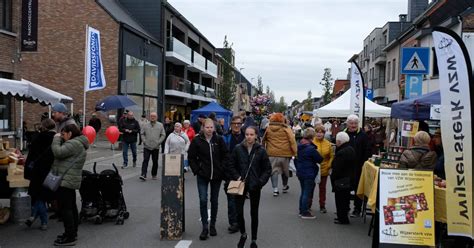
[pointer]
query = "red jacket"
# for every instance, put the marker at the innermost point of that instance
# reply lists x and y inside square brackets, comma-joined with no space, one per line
[190,132]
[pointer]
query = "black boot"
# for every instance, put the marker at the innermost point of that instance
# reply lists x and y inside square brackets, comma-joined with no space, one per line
[233,228]
[212,230]
[204,234]
[253,244]
[242,240]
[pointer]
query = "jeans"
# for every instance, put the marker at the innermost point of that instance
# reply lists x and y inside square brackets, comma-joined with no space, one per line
[307,187]
[125,146]
[274,180]
[39,209]
[231,207]
[203,185]
[322,191]
[154,159]
[68,210]
[254,204]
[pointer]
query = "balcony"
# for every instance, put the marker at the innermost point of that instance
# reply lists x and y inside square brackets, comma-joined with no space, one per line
[380,57]
[199,90]
[200,93]
[199,63]
[210,92]
[177,86]
[211,69]
[178,53]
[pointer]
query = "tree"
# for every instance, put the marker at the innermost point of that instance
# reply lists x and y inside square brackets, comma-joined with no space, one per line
[267,90]
[226,94]
[282,105]
[308,105]
[327,85]
[259,85]
[294,103]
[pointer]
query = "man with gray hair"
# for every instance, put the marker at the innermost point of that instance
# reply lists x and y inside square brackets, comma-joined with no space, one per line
[360,142]
[153,134]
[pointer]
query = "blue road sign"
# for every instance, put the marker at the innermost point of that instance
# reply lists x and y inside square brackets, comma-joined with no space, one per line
[415,60]
[413,86]
[369,94]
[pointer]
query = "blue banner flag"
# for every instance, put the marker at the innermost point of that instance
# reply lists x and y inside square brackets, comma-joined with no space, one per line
[95,79]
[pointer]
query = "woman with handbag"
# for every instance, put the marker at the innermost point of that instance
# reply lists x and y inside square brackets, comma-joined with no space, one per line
[69,149]
[250,165]
[207,157]
[38,164]
[341,176]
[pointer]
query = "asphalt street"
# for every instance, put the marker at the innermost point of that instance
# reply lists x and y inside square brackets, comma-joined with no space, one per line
[279,226]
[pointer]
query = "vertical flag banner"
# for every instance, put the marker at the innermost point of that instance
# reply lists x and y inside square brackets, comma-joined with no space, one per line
[357,93]
[95,79]
[455,74]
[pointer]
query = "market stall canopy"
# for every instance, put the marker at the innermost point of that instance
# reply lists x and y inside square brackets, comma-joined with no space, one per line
[220,111]
[416,108]
[341,108]
[31,92]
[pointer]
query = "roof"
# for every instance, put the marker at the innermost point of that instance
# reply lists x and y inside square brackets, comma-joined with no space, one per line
[121,15]
[176,13]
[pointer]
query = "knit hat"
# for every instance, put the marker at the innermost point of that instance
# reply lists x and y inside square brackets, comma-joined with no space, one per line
[422,138]
[59,107]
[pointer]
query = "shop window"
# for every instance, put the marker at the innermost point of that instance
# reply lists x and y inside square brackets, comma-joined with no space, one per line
[137,109]
[135,74]
[151,105]
[6,15]
[151,79]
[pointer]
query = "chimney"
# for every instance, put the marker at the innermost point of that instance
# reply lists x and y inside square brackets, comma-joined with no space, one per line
[402,18]
[415,8]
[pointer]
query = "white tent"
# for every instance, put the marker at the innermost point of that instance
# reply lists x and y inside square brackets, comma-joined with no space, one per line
[341,108]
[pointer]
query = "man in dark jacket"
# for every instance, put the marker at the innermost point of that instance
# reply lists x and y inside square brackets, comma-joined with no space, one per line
[307,170]
[96,124]
[197,125]
[169,128]
[130,128]
[207,156]
[360,142]
[232,139]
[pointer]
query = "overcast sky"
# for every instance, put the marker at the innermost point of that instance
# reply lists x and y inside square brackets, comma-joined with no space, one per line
[290,42]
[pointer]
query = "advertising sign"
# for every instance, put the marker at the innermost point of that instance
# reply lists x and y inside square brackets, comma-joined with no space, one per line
[457,93]
[357,93]
[29,25]
[409,128]
[95,79]
[406,207]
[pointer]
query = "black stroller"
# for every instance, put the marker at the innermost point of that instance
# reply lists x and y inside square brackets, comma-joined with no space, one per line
[110,201]
[91,197]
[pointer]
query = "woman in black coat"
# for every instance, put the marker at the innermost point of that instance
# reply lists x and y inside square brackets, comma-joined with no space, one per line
[39,161]
[249,161]
[341,176]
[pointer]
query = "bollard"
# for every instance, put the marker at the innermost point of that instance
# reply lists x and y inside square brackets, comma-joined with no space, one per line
[20,205]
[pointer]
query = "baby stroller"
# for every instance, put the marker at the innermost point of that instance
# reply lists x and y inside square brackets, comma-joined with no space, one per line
[113,203]
[91,197]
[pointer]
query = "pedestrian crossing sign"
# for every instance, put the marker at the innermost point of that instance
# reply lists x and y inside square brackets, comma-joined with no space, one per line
[415,60]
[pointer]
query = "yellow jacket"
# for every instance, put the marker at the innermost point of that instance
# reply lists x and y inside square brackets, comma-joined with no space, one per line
[325,150]
[279,140]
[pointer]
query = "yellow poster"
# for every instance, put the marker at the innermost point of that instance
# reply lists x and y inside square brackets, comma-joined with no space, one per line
[406,207]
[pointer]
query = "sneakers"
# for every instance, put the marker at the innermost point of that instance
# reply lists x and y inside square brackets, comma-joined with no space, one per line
[308,216]
[212,230]
[276,192]
[242,240]
[43,227]
[323,210]
[233,228]
[65,241]
[204,234]
[285,189]
[29,221]
[186,169]
[143,178]
[355,214]
[154,178]
[124,166]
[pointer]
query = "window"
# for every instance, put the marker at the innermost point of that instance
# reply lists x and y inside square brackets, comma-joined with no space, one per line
[388,71]
[151,79]
[394,68]
[135,74]
[143,77]
[6,15]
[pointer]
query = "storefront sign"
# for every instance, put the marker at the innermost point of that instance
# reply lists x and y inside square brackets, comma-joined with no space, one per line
[457,92]
[406,207]
[409,128]
[29,25]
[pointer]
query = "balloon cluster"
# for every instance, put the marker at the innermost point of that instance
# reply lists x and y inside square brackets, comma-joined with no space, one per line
[260,104]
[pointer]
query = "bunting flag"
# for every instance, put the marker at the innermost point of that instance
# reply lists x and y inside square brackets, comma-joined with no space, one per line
[455,75]
[95,79]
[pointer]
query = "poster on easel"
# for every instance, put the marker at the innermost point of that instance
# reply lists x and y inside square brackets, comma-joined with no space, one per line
[406,207]
[409,128]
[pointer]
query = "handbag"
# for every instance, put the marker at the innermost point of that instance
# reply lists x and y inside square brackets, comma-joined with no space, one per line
[237,187]
[342,184]
[52,181]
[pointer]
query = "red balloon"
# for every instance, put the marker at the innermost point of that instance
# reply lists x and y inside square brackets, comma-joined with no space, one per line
[112,134]
[89,132]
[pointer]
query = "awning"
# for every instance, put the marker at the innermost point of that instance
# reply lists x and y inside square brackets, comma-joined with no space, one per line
[31,92]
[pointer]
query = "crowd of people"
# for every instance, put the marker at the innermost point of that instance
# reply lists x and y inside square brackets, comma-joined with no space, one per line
[252,152]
